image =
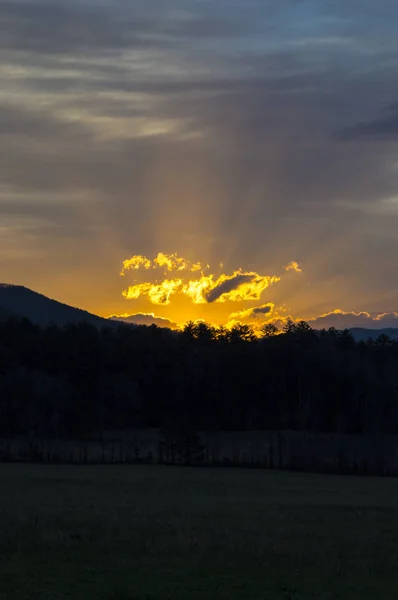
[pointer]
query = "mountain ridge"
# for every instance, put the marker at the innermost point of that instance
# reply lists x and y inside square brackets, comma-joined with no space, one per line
[20,301]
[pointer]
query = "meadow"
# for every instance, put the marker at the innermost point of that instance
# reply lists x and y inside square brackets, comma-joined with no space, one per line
[178,533]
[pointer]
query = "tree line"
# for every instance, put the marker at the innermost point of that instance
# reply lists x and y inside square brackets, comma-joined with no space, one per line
[77,380]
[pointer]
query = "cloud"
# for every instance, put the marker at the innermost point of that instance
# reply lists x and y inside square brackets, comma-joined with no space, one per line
[263,310]
[172,262]
[228,285]
[259,312]
[135,263]
[236,288]
[293,266]
[341,320]
[198,289]
[144,319]
[384,127]
[158,293]
[337,318]
[87,27]
[239,286]
[257,317]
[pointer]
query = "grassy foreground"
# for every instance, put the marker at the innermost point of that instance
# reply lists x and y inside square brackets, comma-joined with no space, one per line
[153,533]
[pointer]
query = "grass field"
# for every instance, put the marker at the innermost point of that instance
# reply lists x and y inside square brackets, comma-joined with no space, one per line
[153,533]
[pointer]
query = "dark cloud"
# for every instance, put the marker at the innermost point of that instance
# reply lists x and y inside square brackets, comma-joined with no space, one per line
[385,127]
[52,27]
[262,310]
[88,27]
[228,286]
[21,123]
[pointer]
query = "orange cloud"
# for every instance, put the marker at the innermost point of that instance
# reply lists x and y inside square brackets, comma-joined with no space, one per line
[198,289]
[237,287]
[293,266]
[158,293]
[263,312]
[135,263]
[172,262]
[233,288]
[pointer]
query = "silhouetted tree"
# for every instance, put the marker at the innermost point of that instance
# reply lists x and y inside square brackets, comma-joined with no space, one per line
[269,330]
[76,380]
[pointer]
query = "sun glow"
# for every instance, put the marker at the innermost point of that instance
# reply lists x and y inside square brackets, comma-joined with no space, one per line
[208,294]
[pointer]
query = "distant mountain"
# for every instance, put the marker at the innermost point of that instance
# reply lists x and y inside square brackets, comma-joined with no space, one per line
[361,334]
[20,301]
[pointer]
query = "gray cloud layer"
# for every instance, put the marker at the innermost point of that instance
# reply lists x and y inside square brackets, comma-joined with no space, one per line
[383,127]
[243,131]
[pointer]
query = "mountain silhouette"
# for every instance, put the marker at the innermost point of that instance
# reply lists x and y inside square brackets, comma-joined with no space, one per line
[5,314]
[19,301]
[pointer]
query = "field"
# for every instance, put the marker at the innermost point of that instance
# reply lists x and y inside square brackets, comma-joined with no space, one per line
[168,533]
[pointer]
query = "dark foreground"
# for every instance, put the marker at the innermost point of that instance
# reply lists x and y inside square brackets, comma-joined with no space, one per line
[153,533]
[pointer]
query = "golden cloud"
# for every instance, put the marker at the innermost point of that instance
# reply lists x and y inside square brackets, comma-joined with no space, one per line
[158,293]
[235,287]
[171,262]
[262,312]
[198,289]
[229,288]
[294,266]
[135,263]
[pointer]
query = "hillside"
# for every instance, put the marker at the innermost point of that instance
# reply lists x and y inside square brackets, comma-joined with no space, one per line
[20,301]
[5,314]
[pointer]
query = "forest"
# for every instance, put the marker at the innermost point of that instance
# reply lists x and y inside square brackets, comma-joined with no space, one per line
[72,381]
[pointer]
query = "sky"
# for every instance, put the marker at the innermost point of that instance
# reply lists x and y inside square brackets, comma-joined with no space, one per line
[251,143]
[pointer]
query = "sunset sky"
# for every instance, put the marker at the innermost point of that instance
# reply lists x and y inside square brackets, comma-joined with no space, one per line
[253,144]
